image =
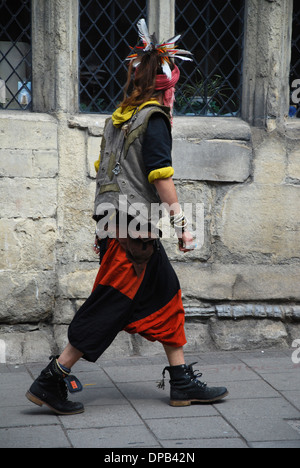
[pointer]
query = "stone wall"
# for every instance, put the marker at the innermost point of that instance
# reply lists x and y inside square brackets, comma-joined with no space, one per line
[241,287]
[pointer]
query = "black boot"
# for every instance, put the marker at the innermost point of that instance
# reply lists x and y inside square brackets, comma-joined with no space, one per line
[186,388]
[51,389]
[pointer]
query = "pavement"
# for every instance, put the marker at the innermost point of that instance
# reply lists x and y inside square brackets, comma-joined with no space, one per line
[124,409]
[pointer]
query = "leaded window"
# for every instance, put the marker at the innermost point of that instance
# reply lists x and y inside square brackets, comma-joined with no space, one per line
[214,31]
[15,54]
[107,30]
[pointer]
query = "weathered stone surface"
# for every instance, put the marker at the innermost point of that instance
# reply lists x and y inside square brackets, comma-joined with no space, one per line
[218,282]
[266,65]
[211,160]
[94,123]
[31,198]
[294,165]
[27,244]
[270,161]
[248,334]
[34,131]
[26,297]
[64,312]
[211,128]
[198,337]
[294,331]
[60,333]
[262,219]
[26,347]
[72,148]
[28,163]
[76,284]
[75,223]
[93,151]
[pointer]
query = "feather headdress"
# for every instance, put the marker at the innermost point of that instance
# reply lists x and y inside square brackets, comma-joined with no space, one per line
[166,50]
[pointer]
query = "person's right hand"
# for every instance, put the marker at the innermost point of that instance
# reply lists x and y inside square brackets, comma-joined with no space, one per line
[96,246]
[186,242]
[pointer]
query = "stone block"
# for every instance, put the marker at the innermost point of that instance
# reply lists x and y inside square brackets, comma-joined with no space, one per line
[34,346]
[26,297]
[211,128]
[32,198]
[27,244]
[45,163]
[27,131]
[198,337]
[64,311]
[262,221]
[239,282]
[211,160]
[76,284]
[94,123]
[27,163]
[248,334]
[15,163]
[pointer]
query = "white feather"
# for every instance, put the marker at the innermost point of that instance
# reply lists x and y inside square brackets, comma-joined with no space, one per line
[144,33]
[181,51]
[173,39]
[167,70]
[183,58]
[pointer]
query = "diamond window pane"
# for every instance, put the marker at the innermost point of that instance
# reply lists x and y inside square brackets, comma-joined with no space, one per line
[214,32]
[15,54]
[295,63]
[107,30]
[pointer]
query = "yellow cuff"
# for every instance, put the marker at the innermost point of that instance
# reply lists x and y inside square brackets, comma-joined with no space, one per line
[163,173]
[97,164]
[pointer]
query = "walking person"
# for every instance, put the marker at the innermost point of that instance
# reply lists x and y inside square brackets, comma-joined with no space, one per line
[136,288]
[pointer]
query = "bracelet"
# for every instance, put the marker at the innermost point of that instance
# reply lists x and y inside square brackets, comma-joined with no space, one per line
[178,221]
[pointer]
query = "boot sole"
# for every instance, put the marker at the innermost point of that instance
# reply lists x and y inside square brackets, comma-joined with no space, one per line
[189,402]
[37,401]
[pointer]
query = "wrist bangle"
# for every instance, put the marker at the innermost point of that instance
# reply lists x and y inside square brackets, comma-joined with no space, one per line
[179,222]
[181,226]
[177,218]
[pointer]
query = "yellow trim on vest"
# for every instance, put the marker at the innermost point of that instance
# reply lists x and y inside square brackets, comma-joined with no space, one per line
[119,117]
[97,164]
[162,173]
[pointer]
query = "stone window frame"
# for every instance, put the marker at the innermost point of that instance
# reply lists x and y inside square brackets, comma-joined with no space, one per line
[265,95]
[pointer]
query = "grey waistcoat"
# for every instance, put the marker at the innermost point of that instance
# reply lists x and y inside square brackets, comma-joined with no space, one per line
[122,172]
